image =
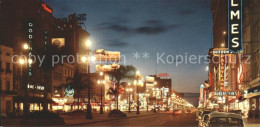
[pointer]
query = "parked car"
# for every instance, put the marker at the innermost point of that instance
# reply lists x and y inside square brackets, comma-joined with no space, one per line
[177,112]
[222,119]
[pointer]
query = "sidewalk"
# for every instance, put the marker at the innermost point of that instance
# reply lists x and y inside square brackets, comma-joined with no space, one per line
[78,119]
[252,122]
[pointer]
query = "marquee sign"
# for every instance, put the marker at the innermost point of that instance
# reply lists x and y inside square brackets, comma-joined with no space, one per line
[235,36]
[225,93]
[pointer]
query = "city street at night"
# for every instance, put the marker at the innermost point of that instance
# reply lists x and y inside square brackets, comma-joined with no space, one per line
[130,63]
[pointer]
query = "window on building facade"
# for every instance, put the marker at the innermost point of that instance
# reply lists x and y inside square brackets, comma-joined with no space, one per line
[7,83]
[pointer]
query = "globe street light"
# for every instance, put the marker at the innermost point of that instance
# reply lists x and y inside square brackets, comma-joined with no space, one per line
[88,44]
[21,61]
[84,59]
[25,46]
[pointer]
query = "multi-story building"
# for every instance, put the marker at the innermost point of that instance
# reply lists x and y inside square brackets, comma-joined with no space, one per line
[251,69]
[6,80]
[31,22]
[223,73]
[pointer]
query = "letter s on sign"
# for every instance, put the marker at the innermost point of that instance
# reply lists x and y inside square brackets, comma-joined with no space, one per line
[235,41]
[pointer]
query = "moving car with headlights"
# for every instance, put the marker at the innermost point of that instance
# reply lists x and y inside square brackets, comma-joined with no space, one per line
[222,119]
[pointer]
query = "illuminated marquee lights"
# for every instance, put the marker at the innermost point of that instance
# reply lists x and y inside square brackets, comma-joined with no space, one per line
[225,93]
[46,8]
[30,40]
[35,87]
[235,37]
[222,71]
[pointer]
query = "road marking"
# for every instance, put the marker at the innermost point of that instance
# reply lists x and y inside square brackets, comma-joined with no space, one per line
[162,122]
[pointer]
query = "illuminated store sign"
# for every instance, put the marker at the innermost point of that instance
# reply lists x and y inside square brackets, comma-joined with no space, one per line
[30,40]
[225,93]
[69,92]
[44,6]
[38,87]
[222,71]
[235,25]
[218,51]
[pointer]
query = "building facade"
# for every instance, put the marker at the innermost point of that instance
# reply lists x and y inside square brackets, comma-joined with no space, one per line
[251,71]
[32,22]
[6,80]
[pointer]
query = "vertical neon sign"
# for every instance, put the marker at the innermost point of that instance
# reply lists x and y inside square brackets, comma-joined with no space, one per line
[235,37]
[30,40]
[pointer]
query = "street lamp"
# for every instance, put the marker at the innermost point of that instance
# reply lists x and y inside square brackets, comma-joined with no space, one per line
[25,46]
[84,59]
[21,61]
[223,45]
[88,43]
[101,89]
[147,100]
[137,72]
[129,90]
[137,83]
[24,80]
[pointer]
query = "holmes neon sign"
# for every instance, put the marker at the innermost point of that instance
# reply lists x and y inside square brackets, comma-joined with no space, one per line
[46,8]
[235,37]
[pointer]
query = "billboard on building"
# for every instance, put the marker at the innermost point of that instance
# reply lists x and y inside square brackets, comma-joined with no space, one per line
[106,68]
[60,42]
[149,79]
[107,56]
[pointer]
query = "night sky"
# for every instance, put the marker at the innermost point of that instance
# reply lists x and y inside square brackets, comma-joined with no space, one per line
[173,27]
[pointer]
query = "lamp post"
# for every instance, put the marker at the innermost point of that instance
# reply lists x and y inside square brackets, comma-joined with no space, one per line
[24,83]
[129,105]
[147,101]
[155,83]
[137,83]
[89,113]
[102,82]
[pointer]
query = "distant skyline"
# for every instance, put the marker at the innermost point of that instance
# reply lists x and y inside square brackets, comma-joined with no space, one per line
[173,27]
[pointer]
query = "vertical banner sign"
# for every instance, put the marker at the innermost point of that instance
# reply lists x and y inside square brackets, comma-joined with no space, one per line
[30,40]
[222,71]
[235,37]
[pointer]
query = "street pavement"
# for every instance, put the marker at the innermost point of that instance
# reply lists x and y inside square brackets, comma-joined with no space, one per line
[160,119]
